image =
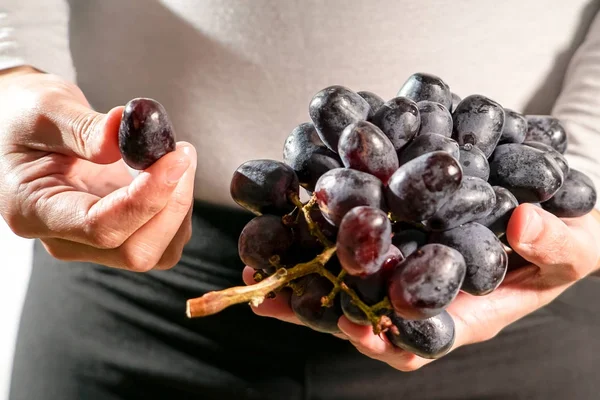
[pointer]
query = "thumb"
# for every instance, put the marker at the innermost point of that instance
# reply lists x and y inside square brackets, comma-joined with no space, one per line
[546,241]
[91,135]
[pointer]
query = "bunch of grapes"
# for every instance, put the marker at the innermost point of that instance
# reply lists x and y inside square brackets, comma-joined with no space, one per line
[409,204]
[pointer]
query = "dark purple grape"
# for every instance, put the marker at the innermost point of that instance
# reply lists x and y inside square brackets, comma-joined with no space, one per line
[308,308]
[399,120]
[548,130]
[145,133]
[419,187]
[262,238]
[483,253]
[334,108]
[364,147]
[370,289]
[428,144]
[426,282]
[363,240]
[420,86]
[530,174]
[308,156]
[409,240]
[497,219]
[374,102]
[473,200]
[455,100]
[435,118]
[515,127]
[428,338]
[576,198]
[341,189]
[479,121]
[263,187]
[559,158]
[474,162]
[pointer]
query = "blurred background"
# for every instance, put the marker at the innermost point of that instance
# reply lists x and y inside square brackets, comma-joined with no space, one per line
[15,253]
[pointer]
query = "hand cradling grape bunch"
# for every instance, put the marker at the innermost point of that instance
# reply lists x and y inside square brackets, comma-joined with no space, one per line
[410,201]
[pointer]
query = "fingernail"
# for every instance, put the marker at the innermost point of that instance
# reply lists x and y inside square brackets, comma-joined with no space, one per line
[533,228]
[175,173]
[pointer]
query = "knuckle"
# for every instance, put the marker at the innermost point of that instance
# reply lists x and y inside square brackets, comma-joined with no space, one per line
[101,237]
[411,366]
[171,256]
[137,261]
[58,252]
[180,204]
[83,126]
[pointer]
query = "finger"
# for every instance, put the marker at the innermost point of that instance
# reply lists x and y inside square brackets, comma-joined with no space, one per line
[278,307]
[69,126]
[157,244]
[72,251]
[61,212]
[562,251]
[154,241]
[173,253]
[480,318]
[379,348]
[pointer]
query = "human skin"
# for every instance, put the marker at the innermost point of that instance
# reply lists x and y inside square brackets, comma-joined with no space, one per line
[62,179]
[561,252]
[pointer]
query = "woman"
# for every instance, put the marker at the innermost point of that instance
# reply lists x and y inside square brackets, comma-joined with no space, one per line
[104,320]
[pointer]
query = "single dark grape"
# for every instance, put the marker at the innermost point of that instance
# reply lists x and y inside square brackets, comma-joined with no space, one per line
[426,282]
[262,238]
[399,120]
[556,156]
[145,133]
[409,240]
[374,102]
[474,162]
[334,108]
[576,198]
[308,308]
[420,86]
[530,174]
[483,253]
[478,121]
[515,127]
[428,338]
[497,219]
[341,189]
[548,130]
[455,100]
[428,144]
[419,187]
[364,147]
[473,200]
[308,156]
[435,118]
[263,187]
[363,240]
[370,289]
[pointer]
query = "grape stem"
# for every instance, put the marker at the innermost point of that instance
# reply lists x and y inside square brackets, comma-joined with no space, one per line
[312,226]
[327,301]
[215,302]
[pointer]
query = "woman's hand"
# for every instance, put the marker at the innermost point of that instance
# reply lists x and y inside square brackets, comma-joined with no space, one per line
[561,252]
[62,179]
